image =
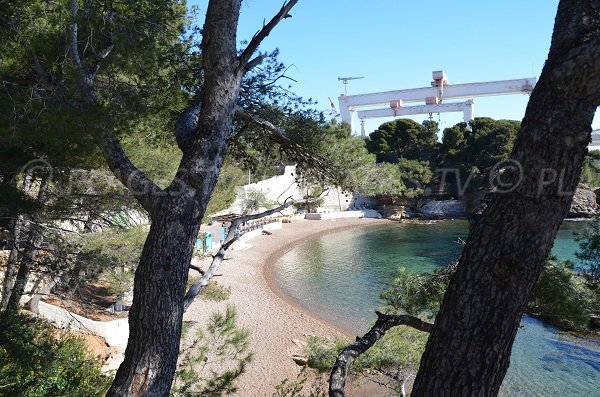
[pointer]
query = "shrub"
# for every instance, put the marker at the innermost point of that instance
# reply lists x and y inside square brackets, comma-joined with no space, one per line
[211,362]
[34,362]
[563,297]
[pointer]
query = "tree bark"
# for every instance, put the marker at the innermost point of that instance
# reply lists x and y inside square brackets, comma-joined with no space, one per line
[12,267]
[156,313]
[34,242]
[468,352]
[19,229]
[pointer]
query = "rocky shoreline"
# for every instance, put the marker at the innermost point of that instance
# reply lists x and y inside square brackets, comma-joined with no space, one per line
[473,204]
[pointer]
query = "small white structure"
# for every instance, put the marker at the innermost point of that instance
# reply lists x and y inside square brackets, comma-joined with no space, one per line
[390,103]
[280,187]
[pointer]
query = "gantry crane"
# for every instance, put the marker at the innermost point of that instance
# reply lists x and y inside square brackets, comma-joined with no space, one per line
[391,103]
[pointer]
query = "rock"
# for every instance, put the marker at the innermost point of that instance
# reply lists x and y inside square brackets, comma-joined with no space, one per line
[398,212]
[300,360]
[434,209]
[584,203]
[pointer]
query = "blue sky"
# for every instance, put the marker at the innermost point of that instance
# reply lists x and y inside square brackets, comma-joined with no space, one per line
[396,44]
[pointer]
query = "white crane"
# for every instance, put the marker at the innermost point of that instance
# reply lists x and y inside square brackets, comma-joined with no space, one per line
[345,81]
[391,103]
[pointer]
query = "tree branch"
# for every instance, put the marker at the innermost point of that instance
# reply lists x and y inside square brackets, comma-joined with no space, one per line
[384,323]
[296,151]
[73,38]
[254,62]
[140,186]
[231,238]
[196,268]
[135,180]
[244,58]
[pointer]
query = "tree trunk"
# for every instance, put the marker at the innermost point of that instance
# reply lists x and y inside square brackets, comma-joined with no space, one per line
[34,242]
[176,212]
[468,352]
[12,268]
[35,300]
[19,229]
[157,310]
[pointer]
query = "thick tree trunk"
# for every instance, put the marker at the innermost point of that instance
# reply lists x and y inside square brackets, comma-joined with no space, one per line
[468,352]
[156,314]
[158,299]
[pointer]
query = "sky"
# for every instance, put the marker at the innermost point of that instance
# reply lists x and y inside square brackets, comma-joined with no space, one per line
[396,44]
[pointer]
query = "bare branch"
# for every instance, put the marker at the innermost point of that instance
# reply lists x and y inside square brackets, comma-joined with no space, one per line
[231,238]
[73,38]
[196,288]
[264,32]
[196,268]
[255,62]
[384,323]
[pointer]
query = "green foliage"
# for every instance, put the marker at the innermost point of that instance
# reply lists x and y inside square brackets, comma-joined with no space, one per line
[352,166]
[475,152]
[313,201]
[560,295]
[589,250]
[590,171]
[215,292]
[225,191]
[415,174]
[404,138]
[257,199]
[563,297]
[113,254]
[418,294]
[214,359]
[35,362]
[400,348]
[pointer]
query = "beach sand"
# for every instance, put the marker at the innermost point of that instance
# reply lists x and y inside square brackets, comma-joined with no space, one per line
[273,320]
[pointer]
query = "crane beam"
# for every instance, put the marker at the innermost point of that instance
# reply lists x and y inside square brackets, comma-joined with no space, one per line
[433,96]
[465,107]
[450,91]
[418,109]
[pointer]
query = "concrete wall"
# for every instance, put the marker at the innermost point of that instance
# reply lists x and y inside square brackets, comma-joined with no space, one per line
[276,189]
[343,214]
[242,242]
[115,332]
[280,187]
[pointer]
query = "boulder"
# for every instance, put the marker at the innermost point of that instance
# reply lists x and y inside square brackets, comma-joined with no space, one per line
[434,209]
[584,203]
[300,360]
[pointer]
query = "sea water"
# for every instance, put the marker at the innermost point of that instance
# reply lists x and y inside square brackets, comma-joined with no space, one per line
[341,276]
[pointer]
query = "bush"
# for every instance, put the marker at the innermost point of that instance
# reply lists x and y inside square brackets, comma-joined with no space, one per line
[215,292]
[211,362]
[562,297]
[589,250]
[34,362]
[418,294]
[401,347]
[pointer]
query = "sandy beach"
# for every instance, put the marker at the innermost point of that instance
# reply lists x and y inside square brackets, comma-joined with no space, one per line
[273,320]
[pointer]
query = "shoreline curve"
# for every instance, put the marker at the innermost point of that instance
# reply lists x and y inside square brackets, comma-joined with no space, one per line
[268,270]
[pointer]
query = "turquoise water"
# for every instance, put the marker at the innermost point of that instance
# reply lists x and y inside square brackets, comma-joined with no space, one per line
[341,276]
